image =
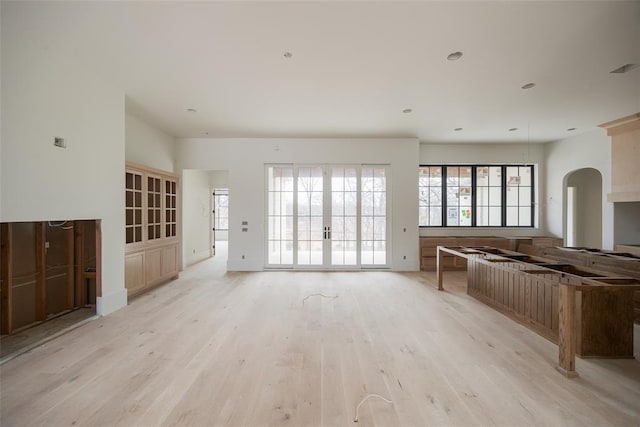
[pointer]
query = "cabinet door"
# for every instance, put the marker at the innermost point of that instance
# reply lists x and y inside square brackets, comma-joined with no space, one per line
[154,207]
[153,266]
[134,272]
[133,206]
[170,208]
[169,261]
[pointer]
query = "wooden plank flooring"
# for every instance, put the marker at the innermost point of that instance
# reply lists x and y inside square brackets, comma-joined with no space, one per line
[242,349]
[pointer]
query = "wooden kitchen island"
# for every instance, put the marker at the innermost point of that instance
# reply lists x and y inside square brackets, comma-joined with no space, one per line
[585,311]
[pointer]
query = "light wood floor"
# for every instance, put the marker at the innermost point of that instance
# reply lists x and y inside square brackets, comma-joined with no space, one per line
[242,349]
[14,344]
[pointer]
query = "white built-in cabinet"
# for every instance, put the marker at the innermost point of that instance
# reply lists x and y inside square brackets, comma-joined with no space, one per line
[151,227]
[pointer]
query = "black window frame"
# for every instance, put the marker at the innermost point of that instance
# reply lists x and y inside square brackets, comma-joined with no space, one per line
[503,207]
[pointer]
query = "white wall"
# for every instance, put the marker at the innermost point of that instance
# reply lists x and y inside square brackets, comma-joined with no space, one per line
[488,154]
[148,145]
[219,179]
[196,214]
[43,96]
[627,223]
[588,207]
[588,150]
[245,160]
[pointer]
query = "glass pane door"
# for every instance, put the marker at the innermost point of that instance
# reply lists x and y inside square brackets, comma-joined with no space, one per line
[280,215]
[337,222]
[311,228]
[344,216]
[373,218]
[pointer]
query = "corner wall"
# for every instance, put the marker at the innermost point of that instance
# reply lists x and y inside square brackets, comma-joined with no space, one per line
[245,158]
[44,96]
[588,150]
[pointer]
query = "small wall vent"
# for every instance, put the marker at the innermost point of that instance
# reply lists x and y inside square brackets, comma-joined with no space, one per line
[59,142]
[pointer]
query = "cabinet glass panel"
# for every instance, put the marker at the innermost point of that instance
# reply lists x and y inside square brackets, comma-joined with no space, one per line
[133,207]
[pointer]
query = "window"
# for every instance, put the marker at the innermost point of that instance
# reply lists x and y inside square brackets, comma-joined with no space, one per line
[476,196]
[430,204]
[221,208]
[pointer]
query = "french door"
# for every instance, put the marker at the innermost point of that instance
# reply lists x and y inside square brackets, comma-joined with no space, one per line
[326,216]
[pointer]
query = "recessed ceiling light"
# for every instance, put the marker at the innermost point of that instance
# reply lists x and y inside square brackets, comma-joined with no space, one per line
[625,68]
[288,55]
[513,129]
[454,56]
[192,110]
[407,110]
[528,86]
[571,129]
[457,129]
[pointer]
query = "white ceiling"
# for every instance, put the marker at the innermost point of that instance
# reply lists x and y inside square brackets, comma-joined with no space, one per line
[355,65]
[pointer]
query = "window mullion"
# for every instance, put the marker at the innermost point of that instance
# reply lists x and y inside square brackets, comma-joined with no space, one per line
[443,172]
[532,196]
[473,196]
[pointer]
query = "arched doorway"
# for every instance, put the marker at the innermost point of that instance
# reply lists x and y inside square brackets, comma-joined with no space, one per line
[583,208]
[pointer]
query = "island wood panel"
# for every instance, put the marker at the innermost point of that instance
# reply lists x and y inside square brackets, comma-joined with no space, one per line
[601,317]
[606,261]
[630,249]
[529,293]
[528,298]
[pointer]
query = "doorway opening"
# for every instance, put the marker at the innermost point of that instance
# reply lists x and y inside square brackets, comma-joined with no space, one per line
[583,208]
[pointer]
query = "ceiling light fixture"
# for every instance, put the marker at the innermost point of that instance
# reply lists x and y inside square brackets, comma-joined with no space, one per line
[288,55]
[625,68]
[528,86]
[192,110]
[571,129]
[457,129]
[513,129]
[407,110]
[454,56]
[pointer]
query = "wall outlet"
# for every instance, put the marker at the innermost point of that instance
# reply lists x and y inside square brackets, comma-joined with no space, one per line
[242,256]
[404,257]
